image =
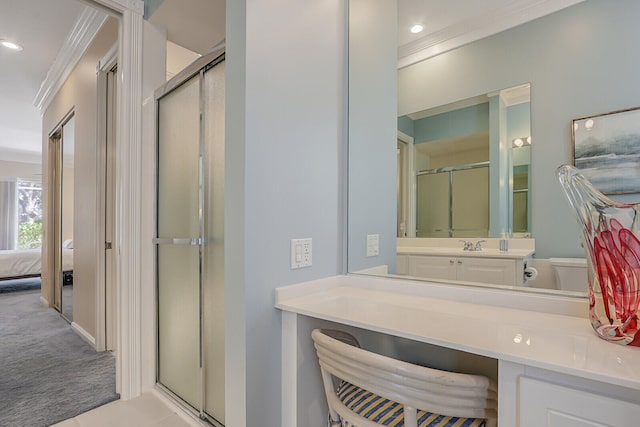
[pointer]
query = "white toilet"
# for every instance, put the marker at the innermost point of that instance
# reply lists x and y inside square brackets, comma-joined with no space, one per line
[571,273]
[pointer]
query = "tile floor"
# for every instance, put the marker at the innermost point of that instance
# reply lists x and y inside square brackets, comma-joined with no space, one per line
[147,410]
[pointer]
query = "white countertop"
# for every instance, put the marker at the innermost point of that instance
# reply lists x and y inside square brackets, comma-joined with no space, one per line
[518,248]
[457,252]
[489,322]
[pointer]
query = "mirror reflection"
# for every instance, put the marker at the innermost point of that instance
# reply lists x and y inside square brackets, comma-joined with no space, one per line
[454,169]
[419,208]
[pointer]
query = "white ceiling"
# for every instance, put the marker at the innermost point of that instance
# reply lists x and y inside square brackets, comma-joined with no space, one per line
[42,25]
[453,23]
[197,25]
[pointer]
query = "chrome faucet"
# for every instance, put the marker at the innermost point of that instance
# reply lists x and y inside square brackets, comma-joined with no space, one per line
[468,246]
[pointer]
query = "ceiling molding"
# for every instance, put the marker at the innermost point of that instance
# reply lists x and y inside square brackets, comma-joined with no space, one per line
[478,27]
[135,6]
[10,154]
[75,44]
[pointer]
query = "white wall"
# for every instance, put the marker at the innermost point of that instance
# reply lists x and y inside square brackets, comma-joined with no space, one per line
[29,171]
[284,157]
[580,61]
[154,53]
[79,94]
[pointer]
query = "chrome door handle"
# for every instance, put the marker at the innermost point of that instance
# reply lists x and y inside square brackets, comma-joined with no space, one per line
[195,241]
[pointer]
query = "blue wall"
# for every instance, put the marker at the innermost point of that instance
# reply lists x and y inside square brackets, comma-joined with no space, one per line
[405,125]
[457,123]
[580,61]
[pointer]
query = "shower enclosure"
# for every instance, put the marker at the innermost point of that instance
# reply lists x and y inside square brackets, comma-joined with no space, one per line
[453,201]
[190,237]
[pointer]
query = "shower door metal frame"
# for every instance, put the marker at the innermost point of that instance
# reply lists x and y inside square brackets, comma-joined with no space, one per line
[196,70]
[450,170]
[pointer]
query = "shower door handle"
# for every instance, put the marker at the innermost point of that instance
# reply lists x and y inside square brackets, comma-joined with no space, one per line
[193,241]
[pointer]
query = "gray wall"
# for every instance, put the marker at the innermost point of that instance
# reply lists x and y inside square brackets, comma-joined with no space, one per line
[580,61]
[284,179]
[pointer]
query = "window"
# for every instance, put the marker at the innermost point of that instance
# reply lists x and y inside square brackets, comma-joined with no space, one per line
[29,214]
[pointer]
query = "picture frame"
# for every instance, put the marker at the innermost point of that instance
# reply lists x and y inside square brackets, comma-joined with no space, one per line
[606,149]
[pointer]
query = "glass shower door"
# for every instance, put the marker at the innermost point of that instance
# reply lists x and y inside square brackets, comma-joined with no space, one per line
[470,202]
[190,242]
[179,242]
[213,268]
[433,205]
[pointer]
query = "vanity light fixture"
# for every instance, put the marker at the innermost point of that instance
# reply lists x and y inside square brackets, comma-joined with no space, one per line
[588,124]
[417,28]
[10,45]
[521,142]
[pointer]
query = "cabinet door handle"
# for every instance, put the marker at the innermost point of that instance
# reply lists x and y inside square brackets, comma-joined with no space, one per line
[459,261]
[450,261]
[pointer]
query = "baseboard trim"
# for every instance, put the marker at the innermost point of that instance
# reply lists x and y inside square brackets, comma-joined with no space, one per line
[83,334]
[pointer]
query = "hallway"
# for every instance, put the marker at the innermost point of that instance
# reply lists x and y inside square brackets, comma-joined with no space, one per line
[48,373]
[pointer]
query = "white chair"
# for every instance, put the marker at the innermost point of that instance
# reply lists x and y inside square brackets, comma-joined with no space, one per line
[377,390]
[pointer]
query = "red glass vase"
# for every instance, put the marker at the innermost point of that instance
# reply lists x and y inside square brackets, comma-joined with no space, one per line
[612,244]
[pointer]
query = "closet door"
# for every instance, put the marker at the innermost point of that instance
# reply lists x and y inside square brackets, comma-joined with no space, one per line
[179,231]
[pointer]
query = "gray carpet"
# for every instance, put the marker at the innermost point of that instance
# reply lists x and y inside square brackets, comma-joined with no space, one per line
[47,372]
[12,285]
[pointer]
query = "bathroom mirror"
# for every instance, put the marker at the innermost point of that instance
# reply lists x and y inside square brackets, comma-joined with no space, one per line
[563,87]
[450,160]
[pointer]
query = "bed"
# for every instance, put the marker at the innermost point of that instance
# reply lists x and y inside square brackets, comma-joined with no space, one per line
[19,263]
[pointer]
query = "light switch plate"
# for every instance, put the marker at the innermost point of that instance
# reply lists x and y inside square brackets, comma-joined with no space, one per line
[301,253]
[373,245]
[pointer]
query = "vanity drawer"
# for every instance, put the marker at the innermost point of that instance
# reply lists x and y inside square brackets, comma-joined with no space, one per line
[552,405]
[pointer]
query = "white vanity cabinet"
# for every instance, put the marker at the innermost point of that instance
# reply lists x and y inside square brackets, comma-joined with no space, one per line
[502,271]
[552,405]
[533,397]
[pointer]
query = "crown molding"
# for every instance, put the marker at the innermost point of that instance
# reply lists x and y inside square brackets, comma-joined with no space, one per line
[467,31]
[21,156]
[75,44]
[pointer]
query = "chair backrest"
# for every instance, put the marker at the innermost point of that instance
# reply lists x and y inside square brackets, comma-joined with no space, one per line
[415,387]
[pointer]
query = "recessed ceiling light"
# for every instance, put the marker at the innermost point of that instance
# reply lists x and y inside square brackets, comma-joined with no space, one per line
[10,45]
[417,28]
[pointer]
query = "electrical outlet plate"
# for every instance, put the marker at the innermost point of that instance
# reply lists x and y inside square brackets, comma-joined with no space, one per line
[373,245]
[301,252]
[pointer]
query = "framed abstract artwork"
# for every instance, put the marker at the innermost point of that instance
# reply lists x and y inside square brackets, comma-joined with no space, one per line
[606,149]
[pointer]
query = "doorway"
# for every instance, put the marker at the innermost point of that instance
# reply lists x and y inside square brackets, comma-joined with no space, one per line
[105,279]
[190,237]
[61,193]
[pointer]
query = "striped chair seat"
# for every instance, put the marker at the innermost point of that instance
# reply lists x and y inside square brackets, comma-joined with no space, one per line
[389,413]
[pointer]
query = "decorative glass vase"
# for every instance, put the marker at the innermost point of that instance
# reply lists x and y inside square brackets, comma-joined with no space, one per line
[612,245]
